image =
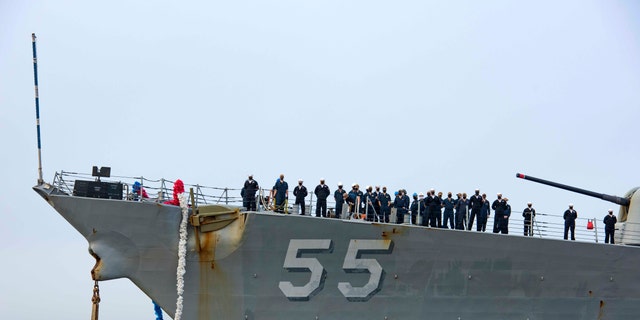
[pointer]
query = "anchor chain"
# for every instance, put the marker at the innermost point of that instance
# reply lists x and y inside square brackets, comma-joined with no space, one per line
[95,300]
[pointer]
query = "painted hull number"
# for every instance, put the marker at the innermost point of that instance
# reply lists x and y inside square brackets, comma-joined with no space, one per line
[353,263]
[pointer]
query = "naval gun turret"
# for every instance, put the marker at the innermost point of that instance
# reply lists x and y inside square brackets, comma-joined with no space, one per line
[628,215]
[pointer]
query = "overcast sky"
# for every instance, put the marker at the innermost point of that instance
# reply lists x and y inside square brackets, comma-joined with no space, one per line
[451,95]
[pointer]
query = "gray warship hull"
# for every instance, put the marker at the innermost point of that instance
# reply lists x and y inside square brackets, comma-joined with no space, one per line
[273,266]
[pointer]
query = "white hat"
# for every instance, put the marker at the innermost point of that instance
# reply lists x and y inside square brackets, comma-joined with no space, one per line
[610,210]
[339,184]
[570,205]
[528,202]
[299,180]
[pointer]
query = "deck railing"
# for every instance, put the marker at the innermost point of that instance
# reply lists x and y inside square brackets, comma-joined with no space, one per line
[545,225]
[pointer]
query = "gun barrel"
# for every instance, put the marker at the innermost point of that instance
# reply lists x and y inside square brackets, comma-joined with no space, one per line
[615,199]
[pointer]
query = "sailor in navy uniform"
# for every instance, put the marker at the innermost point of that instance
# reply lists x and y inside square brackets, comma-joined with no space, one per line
[609,227]
[570,217]
[528,214]
[250,189]
[354,199]
[426,215]
[376,203]
[384,200]
[435,215]
[448,204]
[280,193]
[498,206]
[338,196]
[475,202]
[322,192]
[485,212]
[462,206]
[503,226]
[417,206]
[369,200]
[401,205]
[300,192]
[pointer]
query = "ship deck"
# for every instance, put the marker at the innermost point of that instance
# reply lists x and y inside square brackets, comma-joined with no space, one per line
[546,224]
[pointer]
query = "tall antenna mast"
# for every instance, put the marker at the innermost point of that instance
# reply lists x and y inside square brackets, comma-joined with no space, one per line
[35,79]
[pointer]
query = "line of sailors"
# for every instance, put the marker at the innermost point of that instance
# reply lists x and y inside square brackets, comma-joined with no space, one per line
[459,213]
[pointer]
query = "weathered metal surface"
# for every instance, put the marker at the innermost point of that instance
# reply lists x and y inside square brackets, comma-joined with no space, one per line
[268,266]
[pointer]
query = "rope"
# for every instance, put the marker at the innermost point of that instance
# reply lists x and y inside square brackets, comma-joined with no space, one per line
[182,252]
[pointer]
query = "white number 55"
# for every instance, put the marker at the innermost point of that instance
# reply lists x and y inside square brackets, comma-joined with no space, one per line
[352,264]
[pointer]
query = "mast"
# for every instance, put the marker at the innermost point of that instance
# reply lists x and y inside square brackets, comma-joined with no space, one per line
[35,80]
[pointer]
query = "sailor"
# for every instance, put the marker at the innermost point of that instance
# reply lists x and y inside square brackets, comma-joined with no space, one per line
[338,196]
[448,203]
[300,192]
[504,220]
[439,210]
[250,189]
[529,214]
[609,227]
[407,201]
[570,217]
[426,215]
[384,200]
[434,209]
[485,212]
[280,193]
[423,208]
[416,207]
[369,200]
[401,206]
[322,192]
[245,204]
[355,196]
[462,208]
[376,203]
[475,202]
[498,206]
